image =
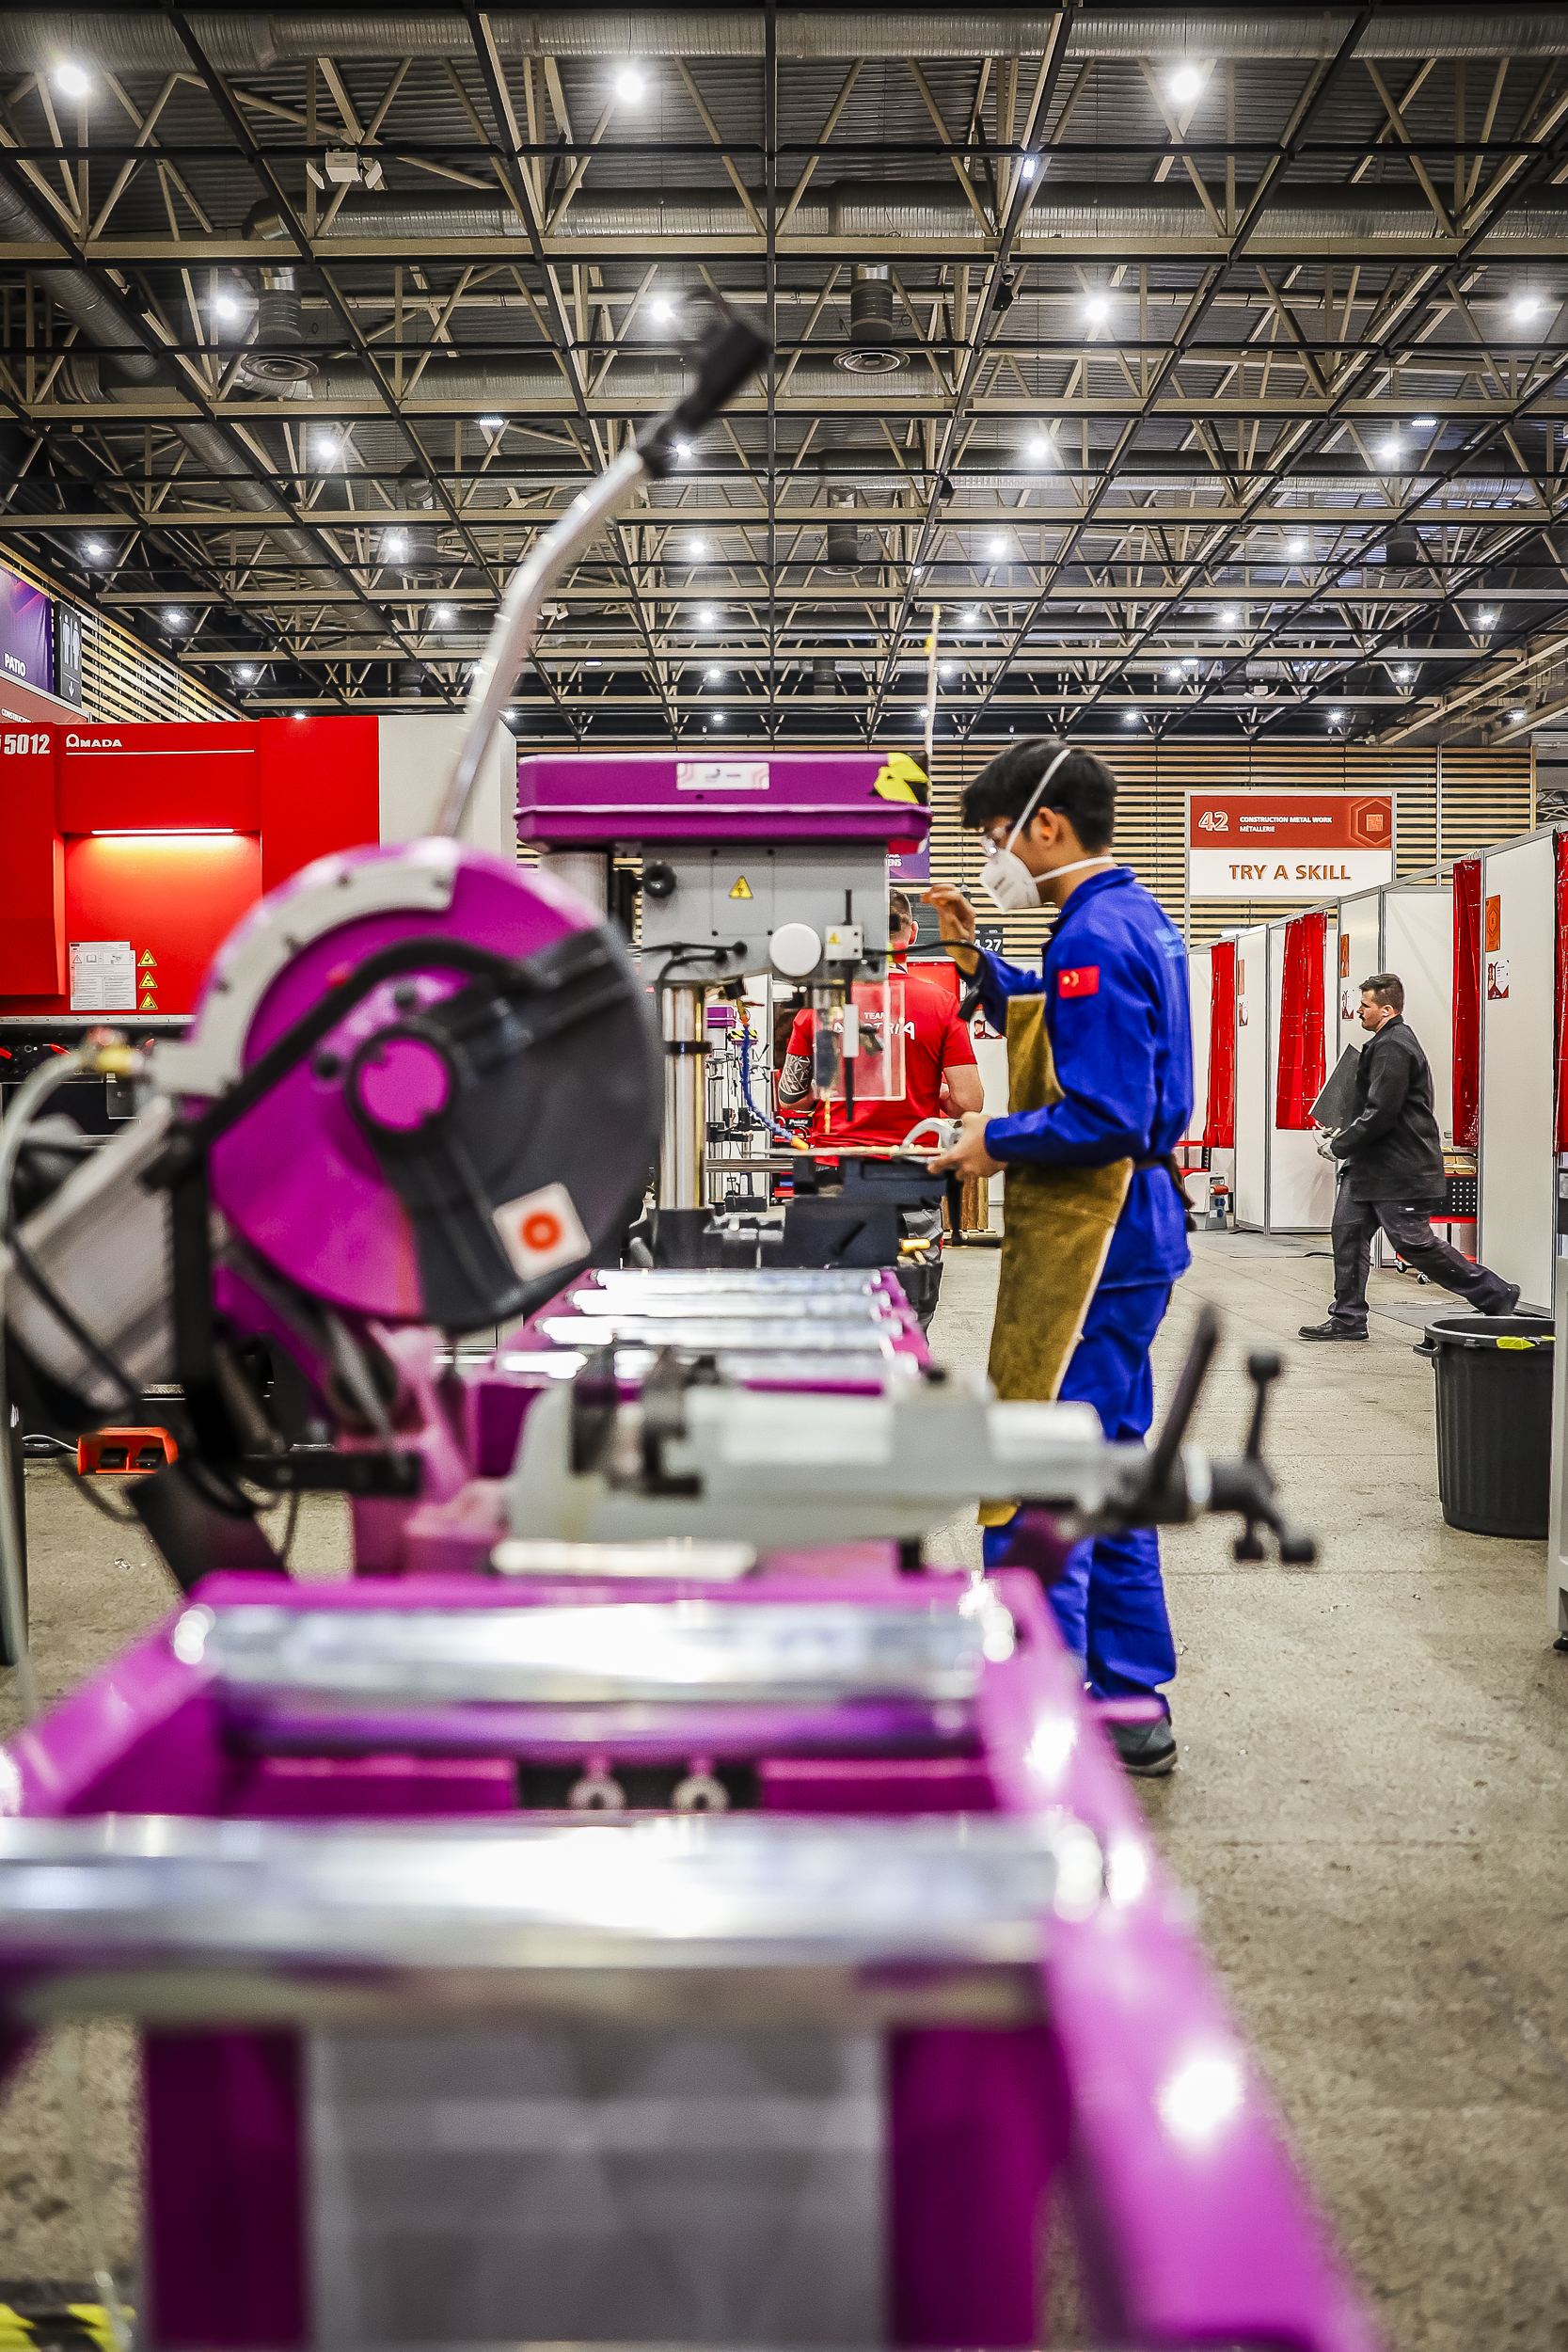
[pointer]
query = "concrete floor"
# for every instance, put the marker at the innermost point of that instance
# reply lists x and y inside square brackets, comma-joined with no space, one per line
[1368,1805]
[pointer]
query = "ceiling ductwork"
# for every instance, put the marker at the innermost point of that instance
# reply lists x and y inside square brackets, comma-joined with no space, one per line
[1379,220]
[36,39]
[844,538]
[870,350]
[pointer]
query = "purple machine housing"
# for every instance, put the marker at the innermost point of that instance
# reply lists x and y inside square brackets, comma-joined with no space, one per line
[592,801]
[1118,2080]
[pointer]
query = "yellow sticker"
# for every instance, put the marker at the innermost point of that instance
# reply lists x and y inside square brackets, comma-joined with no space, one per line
[1516,1342]
[901,779]
[742,888]
[147,958]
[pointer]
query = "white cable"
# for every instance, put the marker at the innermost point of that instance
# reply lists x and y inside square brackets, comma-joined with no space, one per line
[13,1594]
[510,639]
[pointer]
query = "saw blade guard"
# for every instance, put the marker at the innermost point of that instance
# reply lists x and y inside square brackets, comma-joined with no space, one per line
[478,1119]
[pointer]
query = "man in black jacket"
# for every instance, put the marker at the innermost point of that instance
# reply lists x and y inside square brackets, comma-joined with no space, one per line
[1392,1174]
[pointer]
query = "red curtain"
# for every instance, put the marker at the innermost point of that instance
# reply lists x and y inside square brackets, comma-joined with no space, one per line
[1299,1078]
[1559,850]
[1219,1122]
[1467,999]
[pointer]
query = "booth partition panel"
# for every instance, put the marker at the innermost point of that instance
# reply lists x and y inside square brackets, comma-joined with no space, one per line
[1417,944]
[1200,982]
[1518,1048]
[1360,954]
[1300,1184]
[1254,1077]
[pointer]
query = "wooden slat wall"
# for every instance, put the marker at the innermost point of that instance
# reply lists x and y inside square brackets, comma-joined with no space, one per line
[1488,796]
[120,678]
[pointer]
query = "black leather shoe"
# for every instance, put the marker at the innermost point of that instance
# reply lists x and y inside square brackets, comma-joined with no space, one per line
[1146,1749]
[1330,1330]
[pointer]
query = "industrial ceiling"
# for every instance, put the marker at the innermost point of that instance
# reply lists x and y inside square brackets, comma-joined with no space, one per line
[1180,370]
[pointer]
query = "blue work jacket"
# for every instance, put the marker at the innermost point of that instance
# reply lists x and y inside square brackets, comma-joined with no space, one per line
[1114,979]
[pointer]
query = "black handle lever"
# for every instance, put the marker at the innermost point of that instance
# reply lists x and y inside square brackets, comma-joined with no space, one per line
[730,357]
[1200,1354]
[1247,1486]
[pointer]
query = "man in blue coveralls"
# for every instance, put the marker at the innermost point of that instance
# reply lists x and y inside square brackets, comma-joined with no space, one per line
[1114,976]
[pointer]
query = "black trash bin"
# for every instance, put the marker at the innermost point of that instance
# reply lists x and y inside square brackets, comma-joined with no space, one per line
[1494,1421]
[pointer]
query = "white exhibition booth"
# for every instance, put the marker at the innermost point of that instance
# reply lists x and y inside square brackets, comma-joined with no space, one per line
[1281,1187]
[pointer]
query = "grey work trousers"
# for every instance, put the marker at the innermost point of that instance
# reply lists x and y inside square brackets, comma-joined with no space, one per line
[1408,1226]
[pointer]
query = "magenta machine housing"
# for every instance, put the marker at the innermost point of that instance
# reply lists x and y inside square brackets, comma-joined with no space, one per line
[773,864]
[434,2055]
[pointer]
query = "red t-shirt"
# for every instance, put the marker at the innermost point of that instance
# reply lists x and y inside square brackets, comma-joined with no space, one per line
[935,1040]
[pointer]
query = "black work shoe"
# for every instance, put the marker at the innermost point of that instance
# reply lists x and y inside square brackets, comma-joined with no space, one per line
[1329,1330]
[1146,1749]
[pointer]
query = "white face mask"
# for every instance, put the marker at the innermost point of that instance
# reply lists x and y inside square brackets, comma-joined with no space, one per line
[1008,881]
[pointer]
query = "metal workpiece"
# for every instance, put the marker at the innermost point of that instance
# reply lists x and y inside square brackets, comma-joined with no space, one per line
[704,1331]
[684,1137]
[827,1652]
[774,1468]
[625,1285]
[805,1304]
[734,1916]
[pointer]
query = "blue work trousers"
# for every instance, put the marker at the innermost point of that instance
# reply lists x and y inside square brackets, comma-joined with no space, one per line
[1109,1601]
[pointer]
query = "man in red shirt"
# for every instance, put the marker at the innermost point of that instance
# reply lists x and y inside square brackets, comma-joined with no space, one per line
[939,1057]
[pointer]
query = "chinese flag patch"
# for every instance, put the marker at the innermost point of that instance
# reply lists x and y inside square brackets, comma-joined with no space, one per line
[1081,981]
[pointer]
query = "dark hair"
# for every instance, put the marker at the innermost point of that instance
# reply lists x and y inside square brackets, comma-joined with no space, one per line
[1384,988]
[899,912]
[1082,789]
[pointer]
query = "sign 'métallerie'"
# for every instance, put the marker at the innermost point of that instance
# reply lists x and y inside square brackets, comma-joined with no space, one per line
[1288,844]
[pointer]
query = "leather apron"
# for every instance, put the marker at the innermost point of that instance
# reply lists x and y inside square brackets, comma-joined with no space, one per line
[1056,1236]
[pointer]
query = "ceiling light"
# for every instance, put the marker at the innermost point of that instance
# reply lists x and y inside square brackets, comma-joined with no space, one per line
[705,616]
[95,551]
[175,620]
[1131,718]
[999,547]
[628,86]
[717,718]
[971,618]
[327,448]
[714,677]
[1526,305]
[1186,83]
[224,307]
[72,80]
[1403,674]
[1097,308]
[1028,168]
[683,451]
[698,547]
[491,424]
[1040,448]
[661,307]
[944,669]
[1516,717]
[1390,453]
[1174,676]
[1336,718]
[299,714]
[395,547]
[1298,544]
[442,617]
[1189,661]
[1229,617]
[1484,620]
[511,717]
[1422,423]
[245,674]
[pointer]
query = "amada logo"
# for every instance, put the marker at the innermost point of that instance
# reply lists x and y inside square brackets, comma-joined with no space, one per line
[93,743]
[1214,820]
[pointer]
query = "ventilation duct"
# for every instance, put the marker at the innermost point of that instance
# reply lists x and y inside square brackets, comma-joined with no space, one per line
[1406,550]
[870,349]
[276,359]
[844,538]
[33,39]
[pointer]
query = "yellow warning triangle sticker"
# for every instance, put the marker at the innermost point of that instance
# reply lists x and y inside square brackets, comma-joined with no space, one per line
[146,960]
[742,888]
